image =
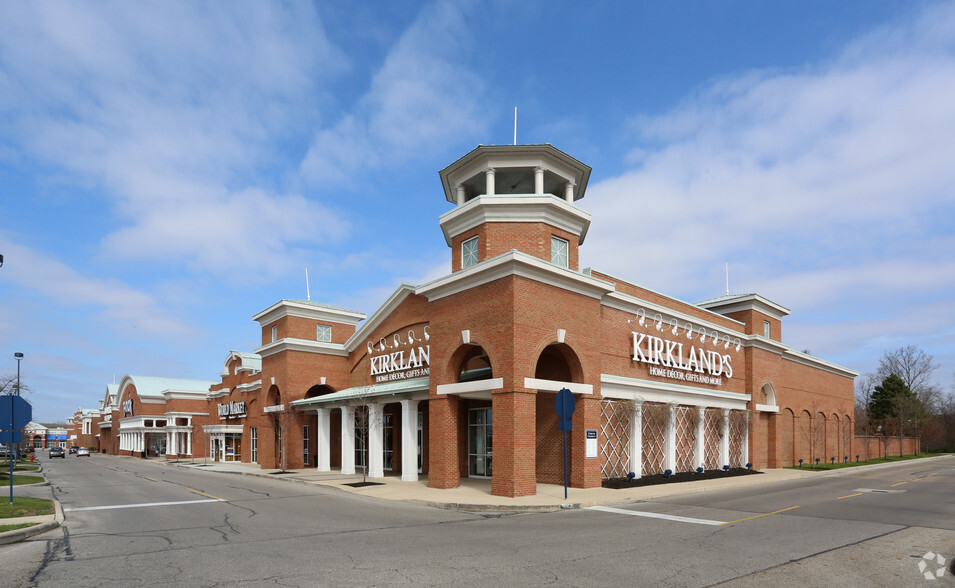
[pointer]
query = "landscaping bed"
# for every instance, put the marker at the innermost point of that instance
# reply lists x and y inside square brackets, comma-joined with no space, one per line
[654,479]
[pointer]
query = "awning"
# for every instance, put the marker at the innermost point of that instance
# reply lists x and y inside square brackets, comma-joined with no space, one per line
[373,391]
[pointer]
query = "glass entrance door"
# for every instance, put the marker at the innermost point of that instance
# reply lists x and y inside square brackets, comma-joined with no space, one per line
[479,443]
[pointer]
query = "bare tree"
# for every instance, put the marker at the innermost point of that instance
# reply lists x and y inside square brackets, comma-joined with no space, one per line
[865,385]
[363,425]
[281,421]
[815,432]
[8,385]
[916,369]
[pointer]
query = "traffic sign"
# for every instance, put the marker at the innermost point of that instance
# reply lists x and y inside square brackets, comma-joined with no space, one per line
[15,413]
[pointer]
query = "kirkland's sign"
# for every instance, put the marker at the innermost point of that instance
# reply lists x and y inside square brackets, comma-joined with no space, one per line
[232,410]
[399,357]
[670,359]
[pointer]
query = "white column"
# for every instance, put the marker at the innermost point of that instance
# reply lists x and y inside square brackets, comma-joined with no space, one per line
[725,439]
[348,440]
[569,192]
[636,440]
[745,456]
[669,453]
[189,442]
[324,439]
[409,440]
[460,194]
[489,177]
[171,443]
[375,446]
[538,180]
[700,438]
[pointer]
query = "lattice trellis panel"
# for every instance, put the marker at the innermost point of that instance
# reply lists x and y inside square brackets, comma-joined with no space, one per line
[711,439]
[686,419]
[654,434]
[738,423]
[615,419]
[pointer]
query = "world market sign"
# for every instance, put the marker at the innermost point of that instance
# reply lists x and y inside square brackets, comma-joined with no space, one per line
[232,410]
[670,359]
[400,356]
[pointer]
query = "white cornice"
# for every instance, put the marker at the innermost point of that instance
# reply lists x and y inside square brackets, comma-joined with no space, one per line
[746,302]
[250,386]
[628,303]
[514,263]
[815,362]
[307,310]
[180,395]
[515,209]
[648,391]
[302,345]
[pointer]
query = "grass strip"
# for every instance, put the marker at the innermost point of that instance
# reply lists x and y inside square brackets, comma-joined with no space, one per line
[24,506]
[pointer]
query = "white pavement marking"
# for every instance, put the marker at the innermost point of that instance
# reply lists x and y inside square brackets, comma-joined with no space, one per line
[139,505]
[654,515]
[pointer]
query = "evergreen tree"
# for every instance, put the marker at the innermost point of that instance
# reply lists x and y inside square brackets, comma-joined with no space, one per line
[888,396]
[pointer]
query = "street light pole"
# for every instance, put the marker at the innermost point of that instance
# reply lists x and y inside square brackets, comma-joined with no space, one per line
[18,356]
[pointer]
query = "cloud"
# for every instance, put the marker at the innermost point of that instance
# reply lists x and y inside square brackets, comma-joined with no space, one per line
[827,188]
[172,109]
[113,303]
[418,101]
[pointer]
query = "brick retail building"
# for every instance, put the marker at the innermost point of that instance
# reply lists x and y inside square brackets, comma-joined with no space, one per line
[458,377]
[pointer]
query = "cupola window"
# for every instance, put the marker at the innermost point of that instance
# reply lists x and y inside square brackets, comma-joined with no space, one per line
[469,252]
[558,251]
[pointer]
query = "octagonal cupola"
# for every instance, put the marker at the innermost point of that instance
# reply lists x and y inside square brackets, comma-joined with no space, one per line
[519,197]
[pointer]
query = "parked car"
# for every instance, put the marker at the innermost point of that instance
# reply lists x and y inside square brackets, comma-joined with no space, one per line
[57,452]
[73,449]
[4,451]
[83,451]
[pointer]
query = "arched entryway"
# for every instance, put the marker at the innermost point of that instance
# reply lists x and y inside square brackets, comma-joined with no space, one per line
[556,363]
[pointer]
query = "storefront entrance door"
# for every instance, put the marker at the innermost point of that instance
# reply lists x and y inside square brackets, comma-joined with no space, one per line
[479,443]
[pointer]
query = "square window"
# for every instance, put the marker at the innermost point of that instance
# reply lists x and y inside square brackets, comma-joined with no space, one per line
[324,333]
[558,251]
[469,252]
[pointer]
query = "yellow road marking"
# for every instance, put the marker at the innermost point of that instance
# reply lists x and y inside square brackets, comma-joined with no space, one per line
[758,516]
[850,496]
[899,484]
[151,480]
[209,495]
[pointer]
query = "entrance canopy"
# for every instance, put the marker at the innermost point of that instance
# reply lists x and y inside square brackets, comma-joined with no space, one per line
[404,388]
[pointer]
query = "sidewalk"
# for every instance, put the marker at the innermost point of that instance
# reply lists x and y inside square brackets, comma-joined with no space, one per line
[475,495]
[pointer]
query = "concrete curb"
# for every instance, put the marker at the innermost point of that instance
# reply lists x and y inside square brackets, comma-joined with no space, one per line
[18,535]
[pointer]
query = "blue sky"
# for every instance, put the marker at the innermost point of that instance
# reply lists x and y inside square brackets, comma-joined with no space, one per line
[169,169]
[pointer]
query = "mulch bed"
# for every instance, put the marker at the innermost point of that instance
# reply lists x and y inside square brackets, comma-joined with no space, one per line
[363,484]
[618,483]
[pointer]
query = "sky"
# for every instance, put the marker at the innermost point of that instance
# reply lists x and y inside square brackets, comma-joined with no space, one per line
[170,169]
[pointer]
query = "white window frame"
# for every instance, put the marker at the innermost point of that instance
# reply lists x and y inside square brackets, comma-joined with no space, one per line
[305,440]
[559,251]
[323,333]
[254,444]
[275,333]
[469,252]
[767,329]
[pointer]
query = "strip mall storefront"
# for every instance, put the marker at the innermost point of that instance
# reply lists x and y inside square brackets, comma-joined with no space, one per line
[458,377]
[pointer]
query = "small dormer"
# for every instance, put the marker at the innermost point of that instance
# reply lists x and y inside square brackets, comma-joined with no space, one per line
[760,316]
[305,320]
[515,197]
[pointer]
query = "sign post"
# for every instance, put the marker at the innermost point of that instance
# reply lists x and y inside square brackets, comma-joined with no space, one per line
[564,404]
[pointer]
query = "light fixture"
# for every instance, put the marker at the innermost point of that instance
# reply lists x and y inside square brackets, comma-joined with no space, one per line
[702,335]
[1,260]
[726,344]
[642,314]
[689,331]
[659,319]
[737,344]
[676,325]
[716,338]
